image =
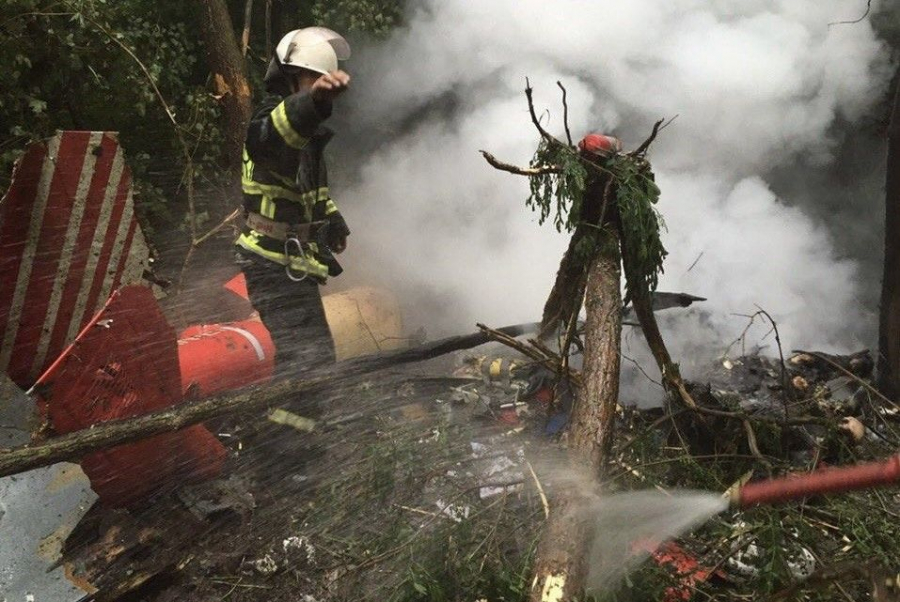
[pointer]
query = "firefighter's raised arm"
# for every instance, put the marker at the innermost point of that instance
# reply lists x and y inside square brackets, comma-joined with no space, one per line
[303,79]
[279,127]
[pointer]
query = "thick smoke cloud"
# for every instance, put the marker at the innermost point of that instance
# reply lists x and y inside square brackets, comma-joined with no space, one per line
[757,85]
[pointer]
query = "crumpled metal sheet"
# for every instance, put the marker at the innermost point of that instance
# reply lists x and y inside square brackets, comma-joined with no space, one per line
[38,510]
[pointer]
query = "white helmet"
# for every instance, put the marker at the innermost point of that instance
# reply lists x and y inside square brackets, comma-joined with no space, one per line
[314,48]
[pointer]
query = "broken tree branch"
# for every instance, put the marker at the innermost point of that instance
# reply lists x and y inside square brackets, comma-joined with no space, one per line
[529,351]
[519,171]
[675,385]
[642,149]
[77,444]
[534,118]
[230,218]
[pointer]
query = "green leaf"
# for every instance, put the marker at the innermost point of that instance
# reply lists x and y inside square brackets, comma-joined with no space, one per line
[37,106]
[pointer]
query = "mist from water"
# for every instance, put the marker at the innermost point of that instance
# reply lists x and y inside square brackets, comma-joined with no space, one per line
[628,526]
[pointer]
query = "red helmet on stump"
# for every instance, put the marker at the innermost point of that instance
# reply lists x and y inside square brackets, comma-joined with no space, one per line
[600,144]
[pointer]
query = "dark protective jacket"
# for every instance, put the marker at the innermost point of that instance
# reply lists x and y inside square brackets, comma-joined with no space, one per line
[284,179]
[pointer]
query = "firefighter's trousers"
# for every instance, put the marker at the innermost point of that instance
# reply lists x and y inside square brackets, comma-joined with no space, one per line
[294,315]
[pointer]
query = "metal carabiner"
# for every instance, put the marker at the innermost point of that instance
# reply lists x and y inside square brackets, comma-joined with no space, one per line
[287,254]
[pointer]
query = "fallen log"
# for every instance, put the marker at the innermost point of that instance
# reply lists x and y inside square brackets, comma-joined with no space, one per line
[75,445]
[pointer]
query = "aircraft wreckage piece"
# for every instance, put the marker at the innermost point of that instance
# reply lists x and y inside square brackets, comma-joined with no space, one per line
[68,238]
[125,363]
[38,510]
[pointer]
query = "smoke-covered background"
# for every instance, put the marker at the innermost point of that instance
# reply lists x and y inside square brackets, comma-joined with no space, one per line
[771,174]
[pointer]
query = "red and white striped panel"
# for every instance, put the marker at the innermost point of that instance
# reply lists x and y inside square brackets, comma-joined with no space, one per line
[68,238]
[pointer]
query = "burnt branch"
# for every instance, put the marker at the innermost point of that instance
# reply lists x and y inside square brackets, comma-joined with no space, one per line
[75,445]
[520,171]
[531,352]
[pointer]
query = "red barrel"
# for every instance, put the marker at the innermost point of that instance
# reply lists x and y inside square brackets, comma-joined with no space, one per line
[215,358]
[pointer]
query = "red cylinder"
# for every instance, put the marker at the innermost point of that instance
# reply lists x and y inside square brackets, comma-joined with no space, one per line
[216,358]
[829,480]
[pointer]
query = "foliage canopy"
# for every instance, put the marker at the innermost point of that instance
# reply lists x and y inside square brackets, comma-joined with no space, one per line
[560,194]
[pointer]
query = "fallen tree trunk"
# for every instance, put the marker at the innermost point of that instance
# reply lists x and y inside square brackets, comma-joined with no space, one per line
[77,444]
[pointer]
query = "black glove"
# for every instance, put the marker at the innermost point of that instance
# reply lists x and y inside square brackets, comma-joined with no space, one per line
[337,231]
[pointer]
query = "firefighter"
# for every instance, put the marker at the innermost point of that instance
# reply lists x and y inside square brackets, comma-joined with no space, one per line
[292,226]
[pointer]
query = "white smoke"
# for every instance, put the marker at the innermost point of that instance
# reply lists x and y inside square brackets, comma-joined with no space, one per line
[756,84]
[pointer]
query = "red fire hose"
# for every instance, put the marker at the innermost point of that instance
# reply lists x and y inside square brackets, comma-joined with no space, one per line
[829,480]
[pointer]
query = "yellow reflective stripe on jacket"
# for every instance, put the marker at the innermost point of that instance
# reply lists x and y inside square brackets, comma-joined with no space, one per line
[303,263]
[283,125]
[272,190]
[330,207]
[267,207]
[247,171]
[280,192]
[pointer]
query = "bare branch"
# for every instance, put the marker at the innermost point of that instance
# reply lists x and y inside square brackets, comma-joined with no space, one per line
[854,22]
[754,446]
[534,118]
[787,392]
[231,217]
[565,113]
[696,261]
[520,171]
[646,144]
[794,421]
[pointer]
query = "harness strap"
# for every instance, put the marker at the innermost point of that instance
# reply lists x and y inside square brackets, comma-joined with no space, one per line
[282,231]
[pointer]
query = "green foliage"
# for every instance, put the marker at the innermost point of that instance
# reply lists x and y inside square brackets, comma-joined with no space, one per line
[560,195]
[641,223]
[69,73]
[481,549]
[377,17]
[858,529]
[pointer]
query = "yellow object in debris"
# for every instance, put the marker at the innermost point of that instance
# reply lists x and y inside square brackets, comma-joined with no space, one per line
[554,587]
[301,423]
[363,321]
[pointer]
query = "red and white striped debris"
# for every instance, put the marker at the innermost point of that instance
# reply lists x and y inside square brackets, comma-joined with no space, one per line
[68,239]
